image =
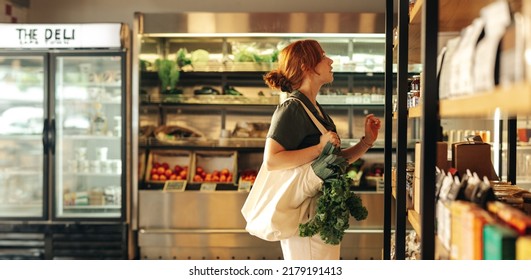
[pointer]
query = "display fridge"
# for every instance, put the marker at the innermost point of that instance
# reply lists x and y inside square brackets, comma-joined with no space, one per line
[64,95]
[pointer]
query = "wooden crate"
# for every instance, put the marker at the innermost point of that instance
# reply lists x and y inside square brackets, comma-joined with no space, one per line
[220,163]
[170,159]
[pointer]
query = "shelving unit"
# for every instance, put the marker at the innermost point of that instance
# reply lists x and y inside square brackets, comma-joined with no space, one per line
[415,220]
[453,16]
[513,100]
[427,20]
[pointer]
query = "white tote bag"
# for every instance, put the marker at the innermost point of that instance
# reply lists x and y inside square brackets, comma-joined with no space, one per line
[282,199]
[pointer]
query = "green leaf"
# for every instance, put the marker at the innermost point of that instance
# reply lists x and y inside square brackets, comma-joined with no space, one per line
[336,203]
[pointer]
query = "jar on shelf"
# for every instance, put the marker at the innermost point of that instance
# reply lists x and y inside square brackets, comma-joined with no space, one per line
[415,82]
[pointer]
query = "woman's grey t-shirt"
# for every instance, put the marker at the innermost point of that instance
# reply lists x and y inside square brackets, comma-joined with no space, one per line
[291,126]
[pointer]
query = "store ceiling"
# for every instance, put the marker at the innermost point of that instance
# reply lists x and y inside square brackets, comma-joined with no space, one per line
[359,6]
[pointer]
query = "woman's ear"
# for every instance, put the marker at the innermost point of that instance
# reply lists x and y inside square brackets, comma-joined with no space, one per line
[304,68]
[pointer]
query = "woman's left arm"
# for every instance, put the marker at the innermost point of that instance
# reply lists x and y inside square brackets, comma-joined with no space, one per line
[372,125]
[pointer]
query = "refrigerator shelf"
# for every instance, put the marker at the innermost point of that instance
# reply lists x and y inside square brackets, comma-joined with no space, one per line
[99,174]
[89,85]
[91,215]
[17,137]
[81,207]
[91,137]
[19,205]
[31,171]
[91,101]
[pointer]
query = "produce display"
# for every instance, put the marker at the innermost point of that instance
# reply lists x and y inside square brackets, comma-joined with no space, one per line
[336,202]
[217,176]
[214,166]
[171,133]
[245,129]
[248,175]
[163,172]
[169,74]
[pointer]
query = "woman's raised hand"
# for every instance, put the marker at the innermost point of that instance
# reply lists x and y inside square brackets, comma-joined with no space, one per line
[372,125]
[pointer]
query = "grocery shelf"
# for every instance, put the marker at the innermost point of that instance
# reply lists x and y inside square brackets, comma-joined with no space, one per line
[428,21]
[92,174]
[190,186]
[413,216]
[415,16]
[454,15]
[240,144]
[18,137]
[80,207]
[511,100]
[415,112]
[414,219]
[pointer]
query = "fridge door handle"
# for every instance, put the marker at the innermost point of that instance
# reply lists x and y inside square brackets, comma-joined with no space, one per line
[51,136]
[45,134]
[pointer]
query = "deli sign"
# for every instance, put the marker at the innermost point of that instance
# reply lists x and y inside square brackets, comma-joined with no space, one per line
[90,35]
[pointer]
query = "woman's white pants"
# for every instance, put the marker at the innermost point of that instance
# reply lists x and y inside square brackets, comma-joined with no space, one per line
[308,248]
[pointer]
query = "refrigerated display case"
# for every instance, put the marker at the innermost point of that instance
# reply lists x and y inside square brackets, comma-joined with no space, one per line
[64,94]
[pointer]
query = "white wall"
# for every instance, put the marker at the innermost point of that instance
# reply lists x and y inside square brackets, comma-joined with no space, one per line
[82,11]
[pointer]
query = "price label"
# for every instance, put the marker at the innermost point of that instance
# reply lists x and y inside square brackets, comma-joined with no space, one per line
[208,187]
[174,186]
[244,186]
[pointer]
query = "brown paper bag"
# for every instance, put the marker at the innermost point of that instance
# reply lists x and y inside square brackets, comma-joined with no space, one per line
[474,155]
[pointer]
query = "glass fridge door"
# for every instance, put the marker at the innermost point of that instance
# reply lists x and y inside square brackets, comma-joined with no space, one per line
[22,115]
[89,146]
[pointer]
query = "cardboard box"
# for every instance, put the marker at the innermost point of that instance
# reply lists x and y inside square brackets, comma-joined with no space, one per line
[163,161]
[215,163]
[441,161]
[523,248]
[499,242]
[476,157]
[476,221]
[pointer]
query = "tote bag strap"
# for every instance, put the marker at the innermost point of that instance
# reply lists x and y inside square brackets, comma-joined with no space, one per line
[317,123]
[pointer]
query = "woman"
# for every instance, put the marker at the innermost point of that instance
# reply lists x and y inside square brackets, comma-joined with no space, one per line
[294,140]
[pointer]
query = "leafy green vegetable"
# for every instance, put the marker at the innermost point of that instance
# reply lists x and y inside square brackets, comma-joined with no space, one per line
[181,58]
[199,57]
[168,74]
[336,203]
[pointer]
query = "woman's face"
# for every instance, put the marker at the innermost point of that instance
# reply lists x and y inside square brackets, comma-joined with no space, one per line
[324,69]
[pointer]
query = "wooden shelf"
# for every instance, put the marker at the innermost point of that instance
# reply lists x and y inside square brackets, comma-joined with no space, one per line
[414,219]
[415,112]
[415,23]
[454,15]
[514,100]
